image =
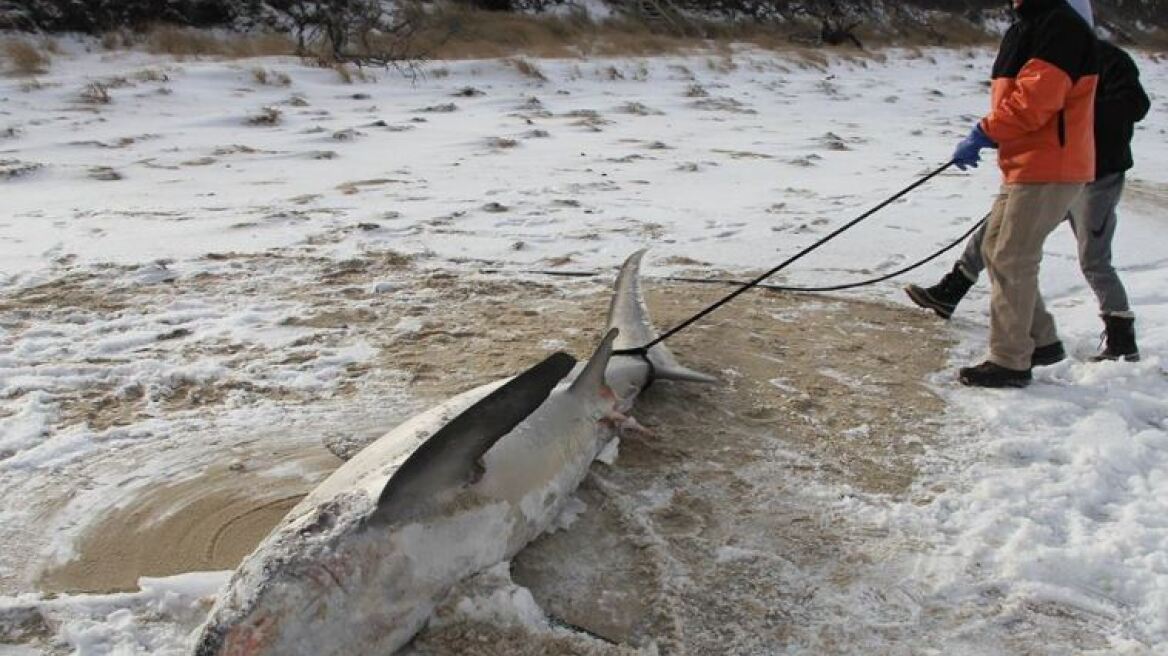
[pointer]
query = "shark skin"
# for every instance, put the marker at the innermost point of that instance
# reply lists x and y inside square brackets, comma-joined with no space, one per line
[358,566]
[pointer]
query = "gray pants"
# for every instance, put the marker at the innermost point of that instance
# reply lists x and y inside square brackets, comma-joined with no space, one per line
[1092,218]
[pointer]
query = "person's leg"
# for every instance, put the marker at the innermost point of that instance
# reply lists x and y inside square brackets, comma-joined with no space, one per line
[1093,219]
[1012,249]
[971,262]
[944,296]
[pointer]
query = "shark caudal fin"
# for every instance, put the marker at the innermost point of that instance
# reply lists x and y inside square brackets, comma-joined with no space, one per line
[628,314]
[449,459]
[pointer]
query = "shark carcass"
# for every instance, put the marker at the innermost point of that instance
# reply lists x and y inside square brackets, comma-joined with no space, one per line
[359,564]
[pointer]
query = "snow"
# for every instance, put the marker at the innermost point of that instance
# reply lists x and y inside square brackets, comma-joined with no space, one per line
[1054,494]
[145,622]
[506,605]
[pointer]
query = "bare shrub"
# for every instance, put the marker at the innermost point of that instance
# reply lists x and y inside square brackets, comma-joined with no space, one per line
[96,93]
[266,116]
[25,58]
[359,32]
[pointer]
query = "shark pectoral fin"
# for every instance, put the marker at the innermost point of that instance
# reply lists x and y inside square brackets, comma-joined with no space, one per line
[591,379]
[447,461]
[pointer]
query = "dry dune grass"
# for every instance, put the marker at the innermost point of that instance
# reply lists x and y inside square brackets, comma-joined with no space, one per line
[1155,41]
[24,58]
[458,32]
[455,31]
[188,42]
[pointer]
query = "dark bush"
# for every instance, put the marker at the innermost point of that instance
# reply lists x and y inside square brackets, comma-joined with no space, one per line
[97,16]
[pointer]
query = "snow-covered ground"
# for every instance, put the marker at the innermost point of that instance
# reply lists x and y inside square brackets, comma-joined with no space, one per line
[162,258]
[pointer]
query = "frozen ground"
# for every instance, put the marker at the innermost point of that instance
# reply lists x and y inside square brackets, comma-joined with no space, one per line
[194,301]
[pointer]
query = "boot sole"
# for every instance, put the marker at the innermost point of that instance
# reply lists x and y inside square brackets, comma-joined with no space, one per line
[1011,384]
[922,298]
[1131,357]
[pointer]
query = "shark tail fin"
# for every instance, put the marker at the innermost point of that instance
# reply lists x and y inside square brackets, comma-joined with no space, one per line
[666,367]
[629,313]
[592,377]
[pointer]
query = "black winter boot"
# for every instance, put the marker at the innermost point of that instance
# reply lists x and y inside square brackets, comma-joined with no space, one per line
[944,296]
[1120,333]
[1044,356]
[988,374]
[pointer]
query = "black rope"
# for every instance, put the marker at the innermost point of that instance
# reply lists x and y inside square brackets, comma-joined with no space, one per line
[789,261]
[850,285]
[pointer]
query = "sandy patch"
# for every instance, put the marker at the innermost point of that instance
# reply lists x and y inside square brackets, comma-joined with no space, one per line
[704,538]
[206,523]
[710,535]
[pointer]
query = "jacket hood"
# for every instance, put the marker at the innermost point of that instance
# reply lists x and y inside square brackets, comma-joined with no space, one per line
[1032,8]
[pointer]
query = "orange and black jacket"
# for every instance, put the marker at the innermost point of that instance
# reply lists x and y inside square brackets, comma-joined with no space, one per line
[1042,109]
[1120,103]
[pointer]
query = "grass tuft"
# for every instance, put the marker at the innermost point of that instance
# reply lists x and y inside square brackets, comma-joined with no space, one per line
[267,116]
[349,73]
[25,59]
[96,93]
[527,69]
[266,77]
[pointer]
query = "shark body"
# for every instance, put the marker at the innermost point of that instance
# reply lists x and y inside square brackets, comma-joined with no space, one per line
[361,562]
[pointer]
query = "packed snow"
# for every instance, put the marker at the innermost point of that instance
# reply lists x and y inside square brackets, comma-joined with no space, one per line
[134,218]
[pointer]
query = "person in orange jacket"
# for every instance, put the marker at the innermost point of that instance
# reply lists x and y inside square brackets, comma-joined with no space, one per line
[1120,103]
[1041,121]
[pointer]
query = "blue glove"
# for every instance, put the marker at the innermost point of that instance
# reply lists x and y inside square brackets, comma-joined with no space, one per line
[968,152]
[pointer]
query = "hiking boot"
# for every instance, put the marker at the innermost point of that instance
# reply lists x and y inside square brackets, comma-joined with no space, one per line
[1048,355]
[988,374]
[944,296]
[1120,336]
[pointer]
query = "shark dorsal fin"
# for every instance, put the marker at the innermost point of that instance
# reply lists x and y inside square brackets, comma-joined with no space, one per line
[449,459]
[591,378]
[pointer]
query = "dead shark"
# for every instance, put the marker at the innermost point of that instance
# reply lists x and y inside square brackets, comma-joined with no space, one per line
[358,566]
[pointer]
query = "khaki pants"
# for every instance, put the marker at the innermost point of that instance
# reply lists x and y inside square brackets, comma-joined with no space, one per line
[1022,217]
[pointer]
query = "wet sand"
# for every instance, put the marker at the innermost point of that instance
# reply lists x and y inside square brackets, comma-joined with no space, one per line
[207,523]
[702,536]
